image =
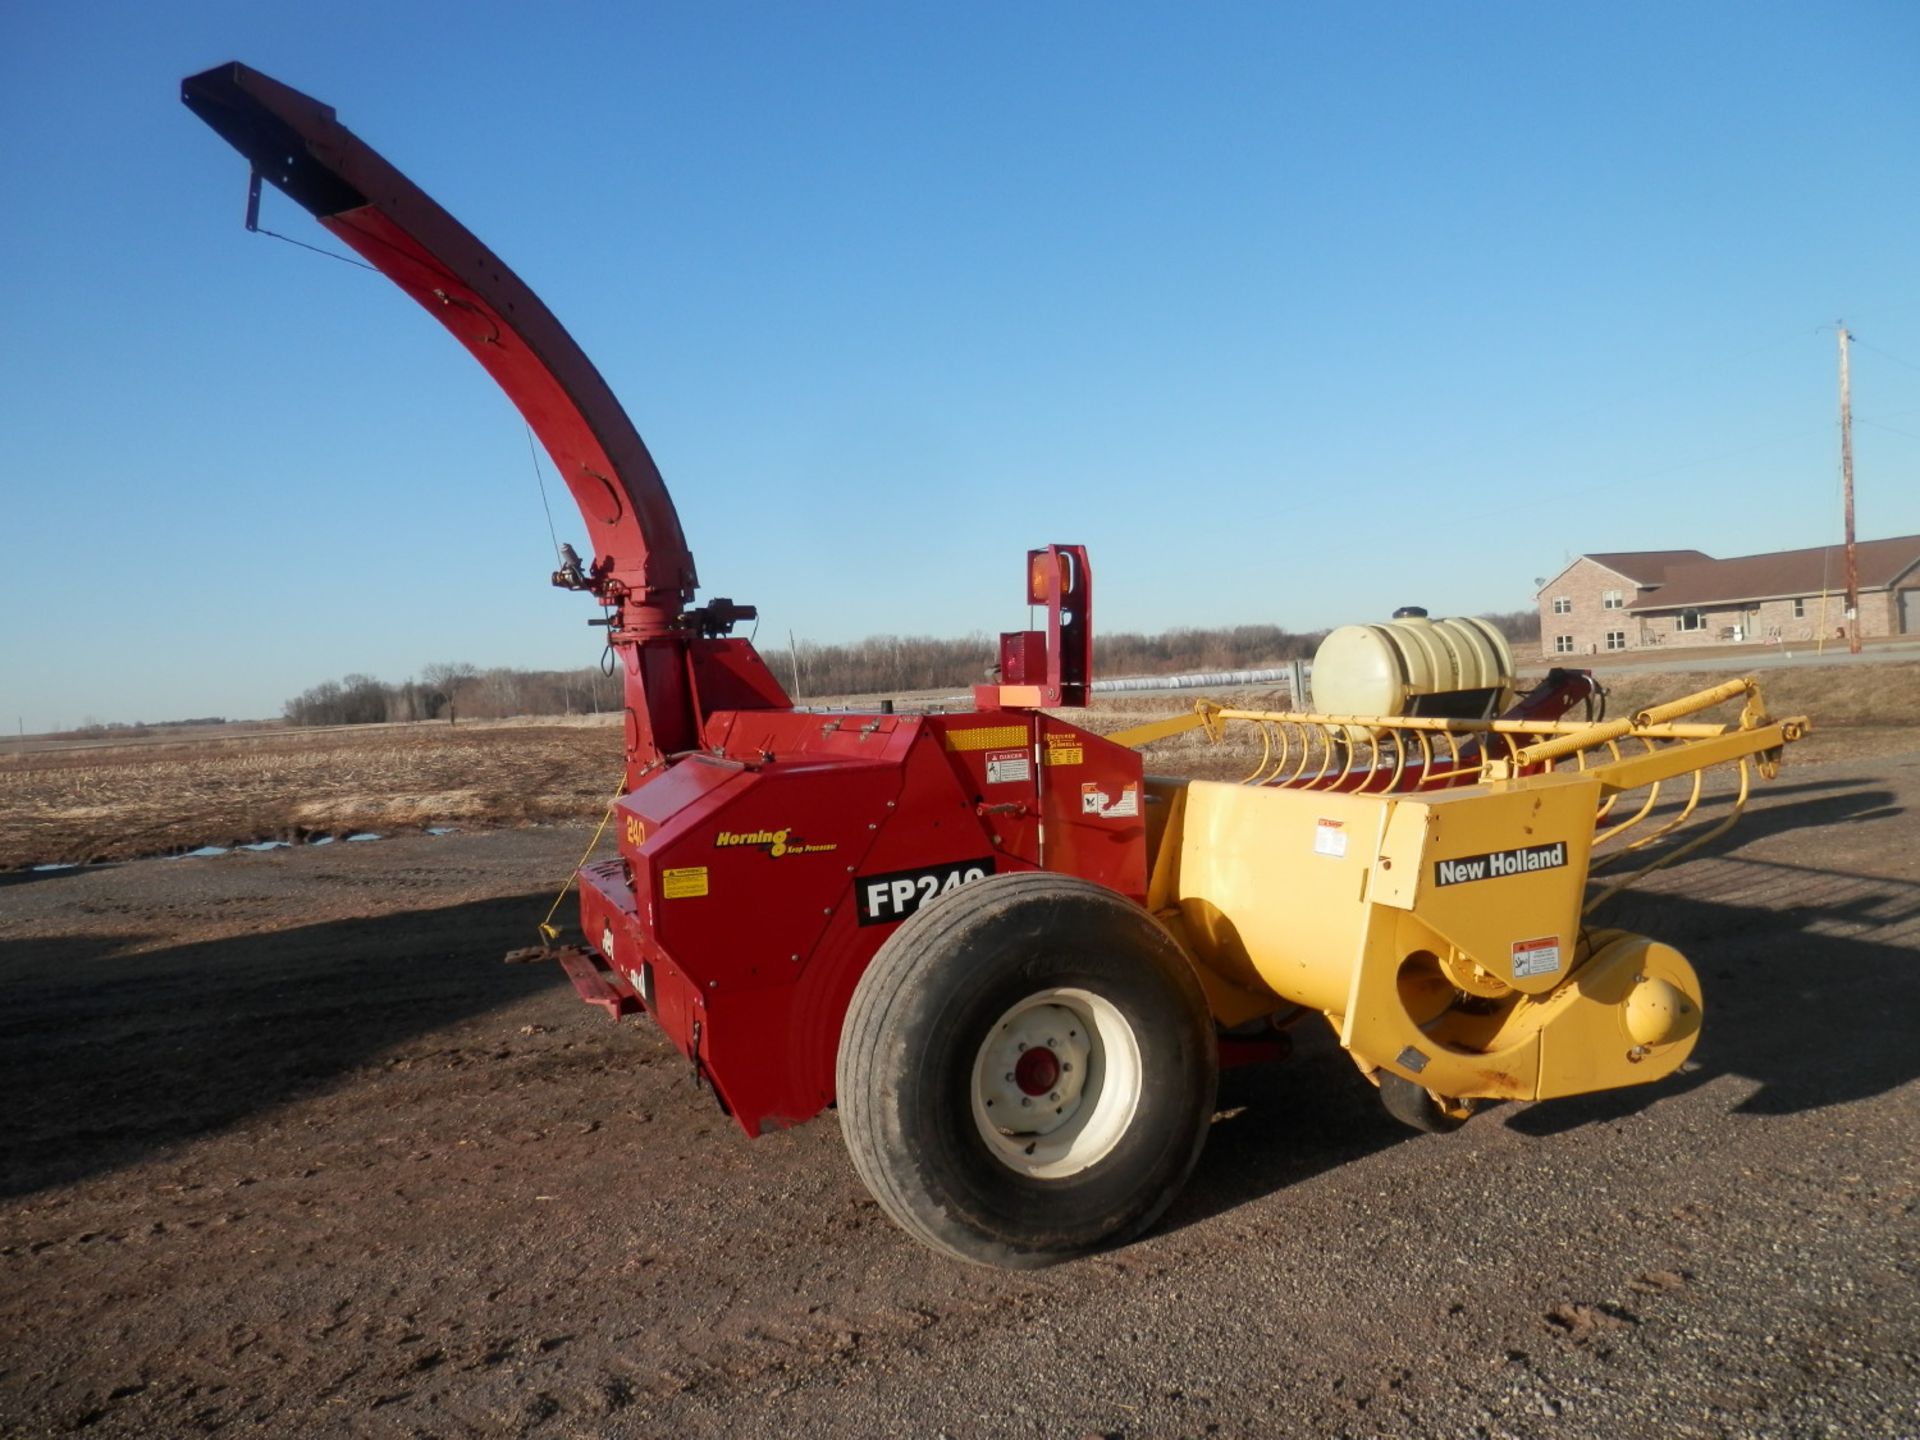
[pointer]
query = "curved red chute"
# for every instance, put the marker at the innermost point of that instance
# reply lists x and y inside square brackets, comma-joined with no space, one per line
[295,143]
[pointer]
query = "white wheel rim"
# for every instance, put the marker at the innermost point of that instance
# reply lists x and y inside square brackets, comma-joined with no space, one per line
[1056,1083]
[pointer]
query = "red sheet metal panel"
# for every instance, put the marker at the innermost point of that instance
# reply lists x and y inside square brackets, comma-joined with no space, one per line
[765,878]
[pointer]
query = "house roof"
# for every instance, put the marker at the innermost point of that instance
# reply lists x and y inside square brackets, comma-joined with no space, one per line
[1646,567]
[1784,573]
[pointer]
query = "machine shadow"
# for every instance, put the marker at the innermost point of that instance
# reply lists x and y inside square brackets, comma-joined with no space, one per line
[107,1056]
[1776,810]
[1277,1125]
[1811,975]
[1813,1001]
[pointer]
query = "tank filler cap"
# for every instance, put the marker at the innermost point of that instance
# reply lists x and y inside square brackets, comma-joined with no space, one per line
[1411,612]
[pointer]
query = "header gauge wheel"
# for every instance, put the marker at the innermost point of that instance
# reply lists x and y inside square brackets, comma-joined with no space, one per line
[1027,1071]
[1414,1105]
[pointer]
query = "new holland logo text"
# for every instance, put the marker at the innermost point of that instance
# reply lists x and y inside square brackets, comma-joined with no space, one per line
[1497,863]
[774,842]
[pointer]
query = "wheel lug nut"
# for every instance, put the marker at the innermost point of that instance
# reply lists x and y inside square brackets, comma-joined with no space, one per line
[1025,1102]
[1009,1075]
[1065,1066]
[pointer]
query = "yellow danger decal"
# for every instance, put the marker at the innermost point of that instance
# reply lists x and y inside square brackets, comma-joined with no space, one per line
[686,883]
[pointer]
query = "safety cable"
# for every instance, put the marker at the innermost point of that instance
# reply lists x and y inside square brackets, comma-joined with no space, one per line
[330,254]
[540,479]
[548,930]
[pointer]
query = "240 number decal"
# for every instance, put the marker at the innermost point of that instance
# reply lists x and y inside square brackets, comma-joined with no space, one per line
[882,899]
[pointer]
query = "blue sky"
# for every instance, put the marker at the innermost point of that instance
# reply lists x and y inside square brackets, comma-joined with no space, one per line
[1292,313]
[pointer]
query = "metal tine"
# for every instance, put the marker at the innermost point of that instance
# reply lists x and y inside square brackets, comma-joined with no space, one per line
[1282,734]
[1606,806]
[1327,743]
[1294,742]
[1426,756]
[1640,842]
[1254,777]
[1351,753]
[1382,770]
[1316,749]
[1292,737]
[1646,808]
[1713,832]
[1399,761]
[1455,765]
[1350,758]
[1306,754]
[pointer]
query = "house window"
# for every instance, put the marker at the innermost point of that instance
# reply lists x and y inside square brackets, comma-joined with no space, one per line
[1800,609]
[1613,600]
[1563,644]
[1616,639]
[1562,605]
[1689,620]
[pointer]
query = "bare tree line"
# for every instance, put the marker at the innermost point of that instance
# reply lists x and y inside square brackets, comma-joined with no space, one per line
[1519,626]
[455,691]
[877,665]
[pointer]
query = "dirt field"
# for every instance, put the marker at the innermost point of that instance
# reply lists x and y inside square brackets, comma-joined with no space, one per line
[89,802]
[80,803]
[287,1151]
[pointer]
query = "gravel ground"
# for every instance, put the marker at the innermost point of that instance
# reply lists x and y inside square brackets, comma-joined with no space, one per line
[286,1150]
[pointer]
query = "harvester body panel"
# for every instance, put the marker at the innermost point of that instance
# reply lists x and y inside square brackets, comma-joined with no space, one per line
[764,877]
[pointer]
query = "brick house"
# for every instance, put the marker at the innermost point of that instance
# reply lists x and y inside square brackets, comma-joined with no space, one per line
[1583,609]
[1638,600]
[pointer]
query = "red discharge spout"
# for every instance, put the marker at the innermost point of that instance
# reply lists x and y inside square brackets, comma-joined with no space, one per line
[641,562]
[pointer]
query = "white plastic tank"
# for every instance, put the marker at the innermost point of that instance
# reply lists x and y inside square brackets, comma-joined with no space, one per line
[1391,668]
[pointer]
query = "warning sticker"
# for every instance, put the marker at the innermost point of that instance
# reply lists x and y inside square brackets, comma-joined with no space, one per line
[1536,957]
[1008,767]
[1095,801]
[1065,750]
[686,883]
[1330,838]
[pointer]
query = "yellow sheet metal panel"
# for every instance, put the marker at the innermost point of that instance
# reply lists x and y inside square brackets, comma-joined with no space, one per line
[1232,1001]
[1277,883]
[1271,883]
[1627,1012]
[1393,1022]
[1497,870]
[1599,1042]
[1369,908]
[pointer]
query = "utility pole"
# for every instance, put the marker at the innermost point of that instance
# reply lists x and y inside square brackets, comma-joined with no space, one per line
[1846,484]
[793,651]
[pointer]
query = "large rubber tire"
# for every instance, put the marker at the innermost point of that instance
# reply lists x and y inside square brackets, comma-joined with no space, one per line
[946,999]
